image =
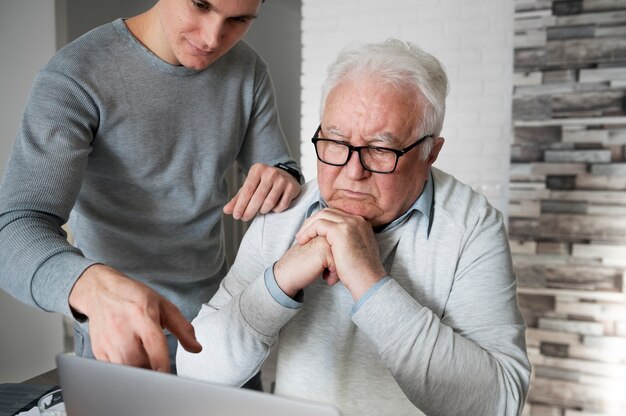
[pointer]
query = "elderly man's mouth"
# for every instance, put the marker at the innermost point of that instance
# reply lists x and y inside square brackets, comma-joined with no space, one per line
[346,193]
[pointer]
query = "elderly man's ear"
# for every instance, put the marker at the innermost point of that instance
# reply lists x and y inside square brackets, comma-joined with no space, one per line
[434,153]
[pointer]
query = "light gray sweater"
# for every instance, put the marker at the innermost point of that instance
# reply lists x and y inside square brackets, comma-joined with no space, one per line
[444,335]
[137,150]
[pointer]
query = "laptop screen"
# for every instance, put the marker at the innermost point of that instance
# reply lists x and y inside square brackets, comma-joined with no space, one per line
[96,388]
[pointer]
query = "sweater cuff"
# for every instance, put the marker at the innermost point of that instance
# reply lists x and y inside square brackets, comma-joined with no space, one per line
[261,311]
[384,316]
[370,292]
[54,279]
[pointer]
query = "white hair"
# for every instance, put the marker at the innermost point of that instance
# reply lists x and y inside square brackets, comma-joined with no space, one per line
[402,65]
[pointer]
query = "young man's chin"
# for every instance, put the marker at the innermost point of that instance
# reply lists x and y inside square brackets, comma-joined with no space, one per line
[198,63]
[194,58]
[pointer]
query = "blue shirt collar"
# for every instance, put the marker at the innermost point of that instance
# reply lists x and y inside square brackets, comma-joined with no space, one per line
[423,204]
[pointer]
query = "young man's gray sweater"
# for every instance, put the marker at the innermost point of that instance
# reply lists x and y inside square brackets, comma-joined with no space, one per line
[137,150]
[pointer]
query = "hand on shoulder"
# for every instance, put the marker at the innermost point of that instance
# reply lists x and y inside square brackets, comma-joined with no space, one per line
[266,188]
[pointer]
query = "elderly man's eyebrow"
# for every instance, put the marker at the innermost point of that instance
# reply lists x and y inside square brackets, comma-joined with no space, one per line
[386,138]
[336,132]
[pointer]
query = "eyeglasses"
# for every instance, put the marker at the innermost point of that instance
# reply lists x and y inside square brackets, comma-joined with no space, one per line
[373,158]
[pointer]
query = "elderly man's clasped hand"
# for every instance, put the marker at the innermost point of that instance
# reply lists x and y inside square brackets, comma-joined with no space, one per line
[337,245]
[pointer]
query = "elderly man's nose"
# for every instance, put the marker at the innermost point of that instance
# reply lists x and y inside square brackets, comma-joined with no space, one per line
[354,167]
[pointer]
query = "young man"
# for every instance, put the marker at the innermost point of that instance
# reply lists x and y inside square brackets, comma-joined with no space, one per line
[388,287]
[132,128]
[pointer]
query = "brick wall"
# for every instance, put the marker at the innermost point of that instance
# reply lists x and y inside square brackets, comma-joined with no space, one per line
[474,41]
[568,202]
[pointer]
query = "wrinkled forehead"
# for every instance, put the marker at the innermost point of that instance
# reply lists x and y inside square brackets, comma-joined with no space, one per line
[365,107]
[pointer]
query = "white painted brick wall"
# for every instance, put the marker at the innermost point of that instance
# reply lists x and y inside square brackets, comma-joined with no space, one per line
[473,40]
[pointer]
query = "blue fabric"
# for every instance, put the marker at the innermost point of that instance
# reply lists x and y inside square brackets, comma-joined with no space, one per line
[277,293]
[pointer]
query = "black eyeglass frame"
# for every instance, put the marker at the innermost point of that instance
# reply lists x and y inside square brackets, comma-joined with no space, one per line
[398,152]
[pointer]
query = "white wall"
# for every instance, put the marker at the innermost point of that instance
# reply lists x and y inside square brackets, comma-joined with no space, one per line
[473,40]
[29,338]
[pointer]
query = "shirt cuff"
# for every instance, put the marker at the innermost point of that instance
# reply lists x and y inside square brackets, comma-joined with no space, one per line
[278,294]
[370,292]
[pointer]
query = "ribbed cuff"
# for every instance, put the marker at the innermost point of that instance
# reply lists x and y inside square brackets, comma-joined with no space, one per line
[370,292]
[378,316]
[261,311]
[55,278]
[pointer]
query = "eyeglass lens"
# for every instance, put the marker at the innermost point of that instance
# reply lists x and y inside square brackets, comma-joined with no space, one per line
[336,153]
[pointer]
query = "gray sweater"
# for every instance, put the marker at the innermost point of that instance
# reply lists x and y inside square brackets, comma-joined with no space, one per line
[137,150]
[444,335]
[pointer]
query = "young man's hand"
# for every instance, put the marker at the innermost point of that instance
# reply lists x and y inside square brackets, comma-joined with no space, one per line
[127,318]
[265,189]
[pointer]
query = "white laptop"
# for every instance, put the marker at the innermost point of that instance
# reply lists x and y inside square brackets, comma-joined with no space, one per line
[94,388]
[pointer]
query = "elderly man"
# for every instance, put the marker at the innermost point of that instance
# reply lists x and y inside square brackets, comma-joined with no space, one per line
[397,296]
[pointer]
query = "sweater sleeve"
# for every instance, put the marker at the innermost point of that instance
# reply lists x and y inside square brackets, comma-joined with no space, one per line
[473,359]
[44,174]
[264,140]
[240,324]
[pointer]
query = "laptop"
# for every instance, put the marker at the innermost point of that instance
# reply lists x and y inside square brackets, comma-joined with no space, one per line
[96,388]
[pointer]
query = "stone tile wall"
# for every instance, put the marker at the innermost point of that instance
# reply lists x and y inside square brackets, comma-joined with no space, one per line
[567,202]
